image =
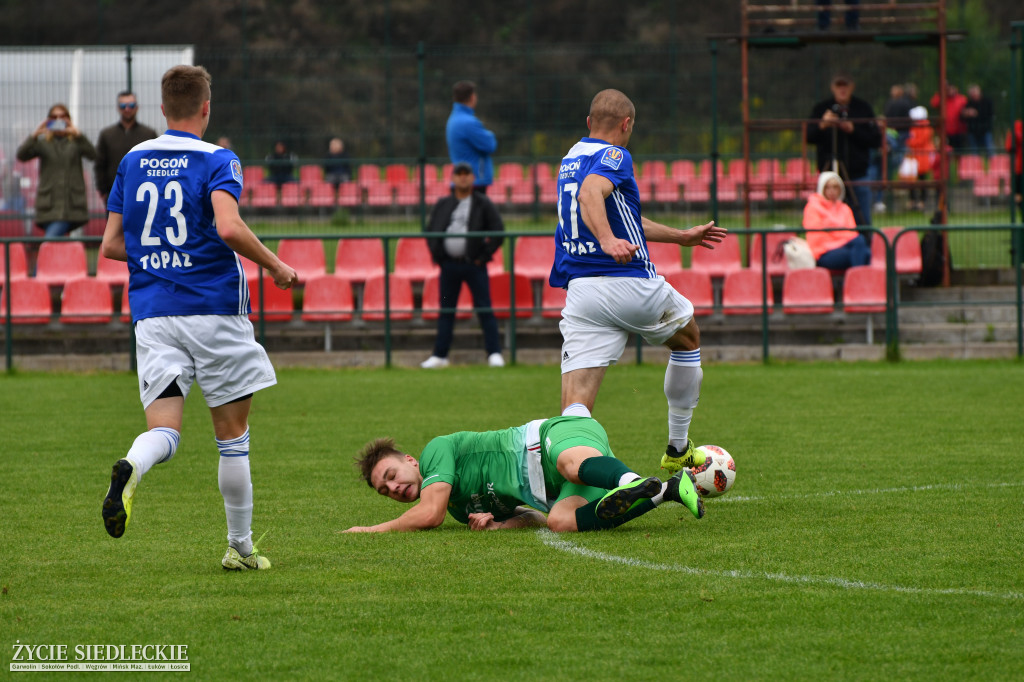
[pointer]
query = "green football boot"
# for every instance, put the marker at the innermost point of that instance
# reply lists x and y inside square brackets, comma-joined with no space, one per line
[682,488]
[618,501]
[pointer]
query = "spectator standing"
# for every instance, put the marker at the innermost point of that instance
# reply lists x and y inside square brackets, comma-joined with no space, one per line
[979,115]
[844,130]
[115,141]
[61,203]
[225,142]
[337,167]
[897,116]
[464,259]
[956,128]
[468,140]
[838,249]
[190,304]
[281,164]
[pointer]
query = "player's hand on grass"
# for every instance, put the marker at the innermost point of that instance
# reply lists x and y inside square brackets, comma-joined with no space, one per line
[359,529]
[619,249]
[482,521]
[706,235]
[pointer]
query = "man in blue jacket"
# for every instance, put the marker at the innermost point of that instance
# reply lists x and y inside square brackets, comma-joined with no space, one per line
[468,140]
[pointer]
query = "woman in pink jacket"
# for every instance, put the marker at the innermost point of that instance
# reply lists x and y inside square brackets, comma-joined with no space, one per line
[840,249]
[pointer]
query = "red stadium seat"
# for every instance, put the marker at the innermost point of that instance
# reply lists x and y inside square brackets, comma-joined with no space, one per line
[742,293]
[310,175]
[11,226]
[696,287]
[358,260]
[113,273]
[400,289]
[321,194]
[277,303]
[683,170]
[264,195]
[534,257]
[60,261]
[293,195]
[327,298]
[501,296]
[696,189]
[305,255]
[412,259]
[666,189]
[30,302]
[808,292]
[552,300]
[970,166]
[864,290]
[252,175]
[667,258]
[908,251]
[432,300]
[19,262]
[719,261]
[349,195]
[774,239]
[86,300]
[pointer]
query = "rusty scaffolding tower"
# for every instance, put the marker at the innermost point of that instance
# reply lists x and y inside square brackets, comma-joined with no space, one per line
[770,24]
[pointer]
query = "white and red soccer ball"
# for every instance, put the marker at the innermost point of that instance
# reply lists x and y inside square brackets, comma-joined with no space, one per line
[718,472]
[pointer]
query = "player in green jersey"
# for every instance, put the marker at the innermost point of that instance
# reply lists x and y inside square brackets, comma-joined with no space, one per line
[504,479]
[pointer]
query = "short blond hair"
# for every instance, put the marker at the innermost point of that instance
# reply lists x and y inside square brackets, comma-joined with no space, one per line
[183,90]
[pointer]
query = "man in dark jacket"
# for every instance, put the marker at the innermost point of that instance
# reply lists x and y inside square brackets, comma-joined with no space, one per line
[117,140]
[844,130]
[464,259]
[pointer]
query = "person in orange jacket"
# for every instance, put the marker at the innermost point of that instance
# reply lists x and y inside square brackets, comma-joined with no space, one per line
[840,249]
[921,148]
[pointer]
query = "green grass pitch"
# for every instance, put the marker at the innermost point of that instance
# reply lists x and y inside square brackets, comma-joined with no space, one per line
[875,532]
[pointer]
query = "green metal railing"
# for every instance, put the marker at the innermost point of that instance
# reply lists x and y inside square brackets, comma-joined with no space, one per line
[892,308]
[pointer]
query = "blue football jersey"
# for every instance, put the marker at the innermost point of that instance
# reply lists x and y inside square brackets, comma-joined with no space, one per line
[177,263]
[577,251]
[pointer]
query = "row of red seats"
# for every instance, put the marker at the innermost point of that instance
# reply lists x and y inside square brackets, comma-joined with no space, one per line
[327,298]
[361,259]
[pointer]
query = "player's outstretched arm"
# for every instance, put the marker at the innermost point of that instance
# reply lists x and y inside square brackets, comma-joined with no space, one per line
[523,518]
[706,235]
[428,513]
[113,238]
[236,234]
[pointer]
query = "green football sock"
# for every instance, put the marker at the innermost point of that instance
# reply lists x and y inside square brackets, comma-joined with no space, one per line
[586,518]
[603,472]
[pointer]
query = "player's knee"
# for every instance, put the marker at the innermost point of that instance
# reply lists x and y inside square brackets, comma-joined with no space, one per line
[562,522]
[687,338]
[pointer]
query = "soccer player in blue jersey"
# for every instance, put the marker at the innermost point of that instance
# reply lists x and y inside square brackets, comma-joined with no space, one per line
[174,218]
[613,289]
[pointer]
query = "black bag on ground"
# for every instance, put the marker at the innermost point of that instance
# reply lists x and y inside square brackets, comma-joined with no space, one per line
[933,259]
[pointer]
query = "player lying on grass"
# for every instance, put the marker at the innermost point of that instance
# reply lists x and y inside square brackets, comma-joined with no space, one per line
[500,479]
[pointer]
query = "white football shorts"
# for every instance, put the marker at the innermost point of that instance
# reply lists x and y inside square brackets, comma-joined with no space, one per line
[601,312]
[219,352]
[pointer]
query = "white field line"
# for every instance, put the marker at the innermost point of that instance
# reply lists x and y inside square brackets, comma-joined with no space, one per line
[870,491]
[560,543]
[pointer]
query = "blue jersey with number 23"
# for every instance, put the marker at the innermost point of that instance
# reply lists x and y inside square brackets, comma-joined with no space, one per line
[177,263]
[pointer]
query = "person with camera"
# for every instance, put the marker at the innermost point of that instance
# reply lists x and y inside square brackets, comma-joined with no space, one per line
[844,130]
[61,204]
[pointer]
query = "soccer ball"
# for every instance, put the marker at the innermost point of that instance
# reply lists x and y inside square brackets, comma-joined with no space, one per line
[718,472]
